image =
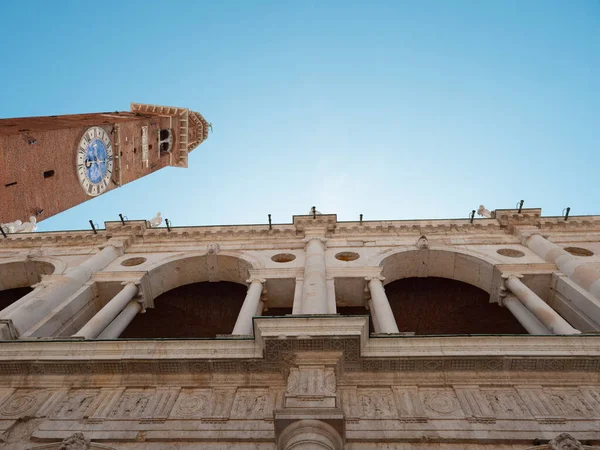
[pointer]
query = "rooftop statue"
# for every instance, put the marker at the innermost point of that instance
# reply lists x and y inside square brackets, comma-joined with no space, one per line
[156,220]
[483,212]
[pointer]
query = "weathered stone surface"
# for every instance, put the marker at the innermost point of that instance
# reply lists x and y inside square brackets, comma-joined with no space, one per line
[303,380]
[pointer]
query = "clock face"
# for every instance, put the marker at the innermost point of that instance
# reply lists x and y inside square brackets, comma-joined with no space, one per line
[94,161]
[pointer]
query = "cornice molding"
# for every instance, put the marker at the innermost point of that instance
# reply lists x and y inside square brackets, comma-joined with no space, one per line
[278,338]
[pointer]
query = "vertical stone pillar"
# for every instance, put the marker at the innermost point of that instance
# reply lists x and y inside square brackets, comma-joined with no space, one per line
[29,310]
[581,272]
[332,306]
[377,328]
[297,306]
[524,316]
[117,326]
[109,312]
[314,289]
[380,306]
[250,307]
[550,318]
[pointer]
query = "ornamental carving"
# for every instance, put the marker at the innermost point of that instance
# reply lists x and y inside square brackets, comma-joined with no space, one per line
[74,405]
[441,403]
[564,441]
[311,381]
[194,403]
[377,404]
[75,442]
[506,403]
[250,404]
[19,404]
[570,404]
[132,405]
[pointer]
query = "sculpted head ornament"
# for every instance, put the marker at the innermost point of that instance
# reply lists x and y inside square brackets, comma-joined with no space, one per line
[422,243]
[75,442]
[565,441]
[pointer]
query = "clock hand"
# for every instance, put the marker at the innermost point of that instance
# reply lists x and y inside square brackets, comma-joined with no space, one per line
[95,148]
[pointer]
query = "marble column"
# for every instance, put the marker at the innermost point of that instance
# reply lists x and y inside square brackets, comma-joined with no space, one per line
[35,306]
[118,325]
[250,308]
[332,306]
[550,318]
[380,306]
[376,327]
[578,270]
[524,316]
[314,288]
[298,290]
[109,312]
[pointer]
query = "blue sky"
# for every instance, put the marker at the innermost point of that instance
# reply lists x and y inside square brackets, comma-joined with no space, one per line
[392,109]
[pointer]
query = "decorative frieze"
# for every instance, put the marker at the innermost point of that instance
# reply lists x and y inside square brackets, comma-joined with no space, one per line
[418,407]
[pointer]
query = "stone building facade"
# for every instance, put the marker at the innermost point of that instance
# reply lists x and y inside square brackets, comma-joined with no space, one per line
[318,334]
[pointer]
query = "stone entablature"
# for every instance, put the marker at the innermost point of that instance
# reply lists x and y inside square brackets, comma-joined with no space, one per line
[504,223]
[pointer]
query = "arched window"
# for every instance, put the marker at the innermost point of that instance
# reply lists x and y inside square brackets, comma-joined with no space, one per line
[199,310]
[433,305]
[165,141]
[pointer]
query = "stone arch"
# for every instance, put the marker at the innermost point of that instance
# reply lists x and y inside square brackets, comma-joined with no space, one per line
[444,291]
[18,275]
[187,268]
[25,272]
[195,295]
[442,262]
[310,434]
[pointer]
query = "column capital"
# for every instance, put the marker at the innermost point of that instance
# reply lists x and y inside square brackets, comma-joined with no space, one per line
[323,239]
[375,277]
[256,279]
[507,276]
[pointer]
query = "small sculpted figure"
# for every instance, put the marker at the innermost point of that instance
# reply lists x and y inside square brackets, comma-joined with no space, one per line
[565,441]
[156,220]
[75,442]
[483,212]
[11,227]
[28,227]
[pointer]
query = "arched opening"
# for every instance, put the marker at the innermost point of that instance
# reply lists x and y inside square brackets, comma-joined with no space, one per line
[197,310]
[193,297]
[435,305]
[9,296]
[17,277]
[438,291]
[165,141]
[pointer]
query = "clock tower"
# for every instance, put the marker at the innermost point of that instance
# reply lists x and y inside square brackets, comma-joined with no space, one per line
[52,163]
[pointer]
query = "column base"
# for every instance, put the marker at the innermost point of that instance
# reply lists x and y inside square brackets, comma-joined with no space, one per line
[8,332]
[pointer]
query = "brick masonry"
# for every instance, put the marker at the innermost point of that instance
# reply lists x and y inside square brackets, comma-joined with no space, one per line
[32,147]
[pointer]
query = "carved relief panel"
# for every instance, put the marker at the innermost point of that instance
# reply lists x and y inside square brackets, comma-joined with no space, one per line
[506,403]
[441,403]
[75,404]
[133,404]
[376,404]
[23,402]
[569,403]
[250,404]
[193,403]
[311,386]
